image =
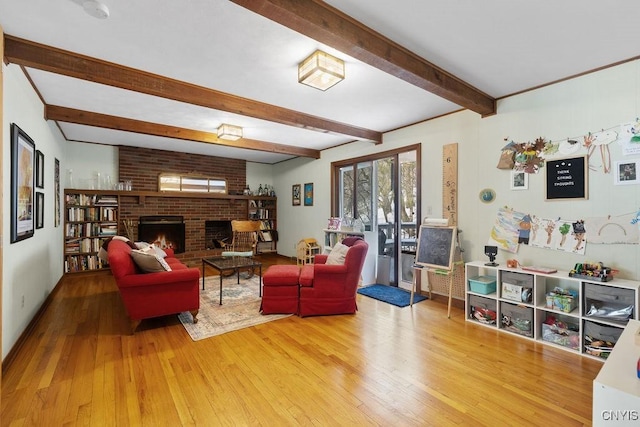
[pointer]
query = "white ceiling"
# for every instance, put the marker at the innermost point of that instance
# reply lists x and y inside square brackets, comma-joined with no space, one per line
[500,47]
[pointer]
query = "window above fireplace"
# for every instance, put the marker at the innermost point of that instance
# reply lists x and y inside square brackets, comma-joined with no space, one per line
[192,184]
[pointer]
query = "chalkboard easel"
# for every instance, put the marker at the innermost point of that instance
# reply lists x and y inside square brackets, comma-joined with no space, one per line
[437,246]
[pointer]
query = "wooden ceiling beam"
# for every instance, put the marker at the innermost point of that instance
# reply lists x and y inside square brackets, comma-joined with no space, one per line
[70,115]
[330,26]
[42,57]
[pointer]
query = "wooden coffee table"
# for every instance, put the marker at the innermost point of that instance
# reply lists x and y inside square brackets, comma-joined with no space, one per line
[231,265]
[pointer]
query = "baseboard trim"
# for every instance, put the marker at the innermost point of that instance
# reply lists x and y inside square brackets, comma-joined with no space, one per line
[11,356]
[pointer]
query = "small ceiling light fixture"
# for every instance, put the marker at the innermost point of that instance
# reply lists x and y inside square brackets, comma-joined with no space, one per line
[321,70]
[96,9]
[229,132]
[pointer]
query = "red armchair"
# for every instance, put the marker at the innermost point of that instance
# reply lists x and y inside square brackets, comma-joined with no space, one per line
[331,289]
[147,295]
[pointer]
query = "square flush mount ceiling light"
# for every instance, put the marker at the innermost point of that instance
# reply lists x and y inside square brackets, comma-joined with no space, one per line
[229,132]
[321,70]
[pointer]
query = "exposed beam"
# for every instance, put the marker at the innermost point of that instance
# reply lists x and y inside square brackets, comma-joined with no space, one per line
[330,26]
[35,55]
[70,115]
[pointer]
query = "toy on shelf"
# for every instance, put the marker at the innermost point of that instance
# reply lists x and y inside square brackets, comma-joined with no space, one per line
[592,271]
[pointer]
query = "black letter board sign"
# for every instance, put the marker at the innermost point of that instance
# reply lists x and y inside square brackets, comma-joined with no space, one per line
[436,246]
[567,178]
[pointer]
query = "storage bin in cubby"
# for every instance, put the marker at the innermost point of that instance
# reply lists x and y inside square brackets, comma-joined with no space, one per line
[609,303]
[561,330]
[599,339]
[482,284]
[516,318]
[483,310]
[516,286]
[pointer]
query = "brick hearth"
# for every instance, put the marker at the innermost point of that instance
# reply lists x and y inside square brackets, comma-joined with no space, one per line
[143,166]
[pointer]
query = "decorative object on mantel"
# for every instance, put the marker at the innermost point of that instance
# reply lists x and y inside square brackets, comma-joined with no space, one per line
[128,228]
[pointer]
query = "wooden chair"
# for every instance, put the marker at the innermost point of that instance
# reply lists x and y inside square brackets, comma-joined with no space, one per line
[244,239]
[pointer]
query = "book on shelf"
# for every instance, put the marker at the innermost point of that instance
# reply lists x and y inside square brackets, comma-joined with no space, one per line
[266,236]
[107,200]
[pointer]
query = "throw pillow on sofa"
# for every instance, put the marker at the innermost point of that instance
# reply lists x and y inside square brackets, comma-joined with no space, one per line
[102,252]
[145,245]
[148,261]
[338,254]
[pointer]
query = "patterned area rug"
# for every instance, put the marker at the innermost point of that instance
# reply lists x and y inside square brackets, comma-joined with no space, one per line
[390,294]
[240,308]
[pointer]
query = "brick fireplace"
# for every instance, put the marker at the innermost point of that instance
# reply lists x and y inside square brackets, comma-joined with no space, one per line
[143,166]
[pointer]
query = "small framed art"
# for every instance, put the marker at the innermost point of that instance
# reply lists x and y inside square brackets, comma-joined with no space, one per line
[308,194]
[626,172]
[519,180]
[295,194]
[39,169]
[39,210]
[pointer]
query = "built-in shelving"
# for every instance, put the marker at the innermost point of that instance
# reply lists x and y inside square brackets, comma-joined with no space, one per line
[264,209]
[91,216]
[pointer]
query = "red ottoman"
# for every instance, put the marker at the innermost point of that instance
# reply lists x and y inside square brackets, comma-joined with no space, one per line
[280,293]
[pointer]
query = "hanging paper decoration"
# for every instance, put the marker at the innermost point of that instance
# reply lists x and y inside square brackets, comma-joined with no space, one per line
[505,231]
[529,157]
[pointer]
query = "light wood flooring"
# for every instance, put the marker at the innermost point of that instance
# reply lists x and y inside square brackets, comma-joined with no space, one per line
[384,366]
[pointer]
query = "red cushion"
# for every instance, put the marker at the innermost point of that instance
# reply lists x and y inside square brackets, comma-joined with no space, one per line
[306,275]
[281,275]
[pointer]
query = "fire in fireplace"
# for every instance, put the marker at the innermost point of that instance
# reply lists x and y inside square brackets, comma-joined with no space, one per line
[166,231]
[217,232]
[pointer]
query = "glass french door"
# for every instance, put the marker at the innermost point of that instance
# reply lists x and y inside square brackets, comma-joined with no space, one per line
[380,194]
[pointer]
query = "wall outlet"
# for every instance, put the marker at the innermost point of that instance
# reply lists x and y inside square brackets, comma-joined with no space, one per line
[22,306]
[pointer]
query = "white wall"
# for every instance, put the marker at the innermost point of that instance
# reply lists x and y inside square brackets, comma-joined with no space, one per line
[86,161]
[31,267]
[572,108]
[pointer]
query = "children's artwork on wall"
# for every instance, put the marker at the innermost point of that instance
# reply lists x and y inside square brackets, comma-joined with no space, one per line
[621,229]
[557,234]
[544,236]
[505,232]
[529,156]
[629,138]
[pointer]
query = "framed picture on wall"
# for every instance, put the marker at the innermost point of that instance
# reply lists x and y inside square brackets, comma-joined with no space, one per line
[39,210]
[295,194]
[519,180]
[39,169]
[627,172]
[23,151]
[308,194]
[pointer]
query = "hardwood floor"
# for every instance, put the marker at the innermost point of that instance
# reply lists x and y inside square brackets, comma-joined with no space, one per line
[383,366]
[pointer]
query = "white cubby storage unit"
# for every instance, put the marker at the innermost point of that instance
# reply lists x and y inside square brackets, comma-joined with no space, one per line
[598,310]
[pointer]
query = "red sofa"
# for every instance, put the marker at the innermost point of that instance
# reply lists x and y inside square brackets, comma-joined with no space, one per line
[331,289]
[147,295]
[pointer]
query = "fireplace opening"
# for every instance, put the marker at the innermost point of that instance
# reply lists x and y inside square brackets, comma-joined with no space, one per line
[216,233]
[166,231]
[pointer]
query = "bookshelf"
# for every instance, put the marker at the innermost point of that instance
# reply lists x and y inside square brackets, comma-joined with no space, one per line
[263,209]
[90,217]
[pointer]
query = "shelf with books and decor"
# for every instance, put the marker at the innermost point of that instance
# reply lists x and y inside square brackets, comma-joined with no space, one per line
[90,217]
[264,209]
